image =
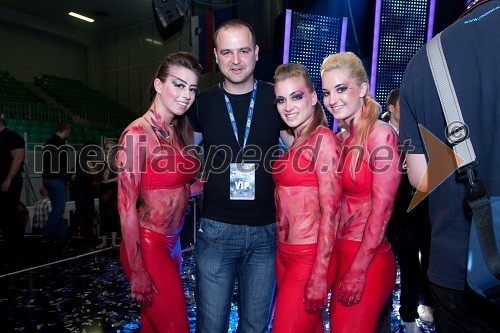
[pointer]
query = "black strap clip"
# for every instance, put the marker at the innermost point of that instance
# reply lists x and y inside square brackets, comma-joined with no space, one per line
[475,189]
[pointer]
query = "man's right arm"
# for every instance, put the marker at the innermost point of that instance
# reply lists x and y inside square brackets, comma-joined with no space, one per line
[17,162]
[198,137]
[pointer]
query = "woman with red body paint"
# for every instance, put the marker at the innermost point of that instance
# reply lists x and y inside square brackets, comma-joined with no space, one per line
[155,170]
[307,194]
[366,268]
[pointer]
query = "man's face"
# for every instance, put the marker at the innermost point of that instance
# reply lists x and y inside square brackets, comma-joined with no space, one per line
[66,133]
[236,55]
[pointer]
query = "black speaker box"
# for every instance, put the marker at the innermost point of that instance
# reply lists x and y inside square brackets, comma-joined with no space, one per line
[169,15]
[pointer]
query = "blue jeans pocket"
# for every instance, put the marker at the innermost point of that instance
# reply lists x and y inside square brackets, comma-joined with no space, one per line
[211,229]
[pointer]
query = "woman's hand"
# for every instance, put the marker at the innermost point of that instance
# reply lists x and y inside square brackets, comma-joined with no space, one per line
[142,286]
[351,287]
[197,187]
[315,294]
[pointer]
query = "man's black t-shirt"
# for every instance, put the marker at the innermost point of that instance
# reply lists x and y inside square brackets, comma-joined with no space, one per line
[9,141]
[55,159]
[210,117]
[475,71]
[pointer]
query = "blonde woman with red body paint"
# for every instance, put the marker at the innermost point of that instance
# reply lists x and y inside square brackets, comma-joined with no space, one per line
[366,268]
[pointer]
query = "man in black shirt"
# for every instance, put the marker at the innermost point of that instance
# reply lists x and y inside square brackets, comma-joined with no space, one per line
[55,176]
[471,47]
[11,166]
[240,128]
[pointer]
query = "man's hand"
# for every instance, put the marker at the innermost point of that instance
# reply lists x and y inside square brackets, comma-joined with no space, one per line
[5,185]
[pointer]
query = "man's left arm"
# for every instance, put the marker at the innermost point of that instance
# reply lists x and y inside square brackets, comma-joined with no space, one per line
[417,165]
[17,161]
[286,137]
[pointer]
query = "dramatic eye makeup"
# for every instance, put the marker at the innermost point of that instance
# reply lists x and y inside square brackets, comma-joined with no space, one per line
[178,82]
[339,89]
[181,84]
[279,100]
[295,96]
[178,85]
[342,88]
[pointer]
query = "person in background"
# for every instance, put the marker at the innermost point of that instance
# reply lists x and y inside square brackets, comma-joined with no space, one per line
[409,234]
[11,183]
[41,211]
[308,196]
[85,184]
[470,46]
[155,169]
[108,199]
[22,214]
[366,268]
[55,178]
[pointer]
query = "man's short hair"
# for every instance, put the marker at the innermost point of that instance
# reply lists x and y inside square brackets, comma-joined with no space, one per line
[235,23]
[393,97]
[62,126]
[43,191]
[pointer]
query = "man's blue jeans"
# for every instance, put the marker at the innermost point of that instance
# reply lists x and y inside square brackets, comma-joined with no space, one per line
[224,252]
[57,193]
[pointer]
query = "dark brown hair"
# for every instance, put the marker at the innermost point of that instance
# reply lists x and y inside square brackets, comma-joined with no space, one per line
[62,126]
[393,97]
[182,127]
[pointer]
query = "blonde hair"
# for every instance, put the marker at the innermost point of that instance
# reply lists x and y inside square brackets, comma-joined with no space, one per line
[291,70]
[351,65]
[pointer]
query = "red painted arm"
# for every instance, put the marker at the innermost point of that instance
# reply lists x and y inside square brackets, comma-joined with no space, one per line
[384,158]
[130,159]
[330,193]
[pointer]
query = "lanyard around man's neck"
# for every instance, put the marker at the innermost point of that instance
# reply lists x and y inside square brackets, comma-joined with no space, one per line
[249,116]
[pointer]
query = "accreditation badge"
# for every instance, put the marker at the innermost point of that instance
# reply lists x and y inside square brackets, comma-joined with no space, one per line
[242,181]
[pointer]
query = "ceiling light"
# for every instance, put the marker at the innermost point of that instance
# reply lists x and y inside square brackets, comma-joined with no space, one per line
[153,41]
[81,17]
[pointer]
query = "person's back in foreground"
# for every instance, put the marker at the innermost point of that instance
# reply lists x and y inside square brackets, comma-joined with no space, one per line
[470,46]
